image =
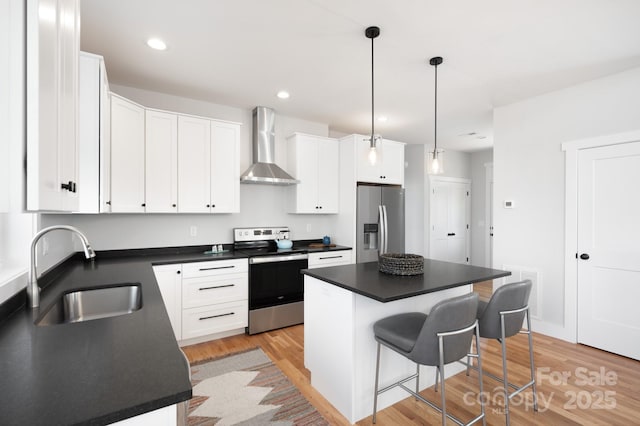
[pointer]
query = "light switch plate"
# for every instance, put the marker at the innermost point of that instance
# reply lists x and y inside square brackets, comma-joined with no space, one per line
[509,204]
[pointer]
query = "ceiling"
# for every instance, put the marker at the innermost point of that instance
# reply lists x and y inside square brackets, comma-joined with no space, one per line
[242,52]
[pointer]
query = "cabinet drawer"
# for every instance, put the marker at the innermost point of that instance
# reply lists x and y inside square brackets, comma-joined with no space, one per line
[330,258]
[198,322]
[214,267]
[217,289]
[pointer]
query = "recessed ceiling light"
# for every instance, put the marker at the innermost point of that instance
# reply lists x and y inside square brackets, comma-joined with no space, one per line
[382,118]
[157,44]
[283,94]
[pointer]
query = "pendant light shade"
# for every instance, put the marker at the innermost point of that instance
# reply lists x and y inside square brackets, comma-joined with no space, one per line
[435,158]
[372,33]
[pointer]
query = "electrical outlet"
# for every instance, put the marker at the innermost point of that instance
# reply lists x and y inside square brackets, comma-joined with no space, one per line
[193,230]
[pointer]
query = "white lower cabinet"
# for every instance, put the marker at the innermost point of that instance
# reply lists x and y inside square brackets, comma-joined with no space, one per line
[204,298]
[215,318]
[170,282]
[330,258]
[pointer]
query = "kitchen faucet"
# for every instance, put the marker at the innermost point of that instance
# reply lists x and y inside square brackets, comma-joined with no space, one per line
[33,291]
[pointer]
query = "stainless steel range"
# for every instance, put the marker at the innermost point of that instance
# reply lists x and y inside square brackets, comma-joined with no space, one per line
[276,286]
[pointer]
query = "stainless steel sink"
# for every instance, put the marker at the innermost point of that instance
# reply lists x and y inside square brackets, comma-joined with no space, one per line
[93,303]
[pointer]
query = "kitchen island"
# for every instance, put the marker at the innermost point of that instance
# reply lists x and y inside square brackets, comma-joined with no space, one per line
[341,305]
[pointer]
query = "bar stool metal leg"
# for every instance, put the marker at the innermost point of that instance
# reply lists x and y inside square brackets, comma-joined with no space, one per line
[375,386]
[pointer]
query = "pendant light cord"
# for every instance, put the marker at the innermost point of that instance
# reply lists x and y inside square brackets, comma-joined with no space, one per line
[435,116]
[373,142]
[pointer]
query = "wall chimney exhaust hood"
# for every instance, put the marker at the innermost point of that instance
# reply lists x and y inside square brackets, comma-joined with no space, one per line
[264,170]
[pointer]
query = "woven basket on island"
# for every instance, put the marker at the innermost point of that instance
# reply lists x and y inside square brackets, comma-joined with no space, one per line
[401,264]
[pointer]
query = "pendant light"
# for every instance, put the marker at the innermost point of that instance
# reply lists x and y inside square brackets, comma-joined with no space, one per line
[435,163]
[371,33]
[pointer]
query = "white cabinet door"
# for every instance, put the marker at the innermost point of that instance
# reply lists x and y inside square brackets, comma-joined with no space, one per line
[169,280]
[69,44]
[194,164]
[328,175]
[225,167]
[52,104]
[389,165]
[314,161]
[93,139]
[161,162]
[127,156]
[303,158]
[367,171]
[105,141]
[393,162]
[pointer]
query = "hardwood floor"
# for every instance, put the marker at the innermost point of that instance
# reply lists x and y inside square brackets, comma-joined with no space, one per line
[577,384]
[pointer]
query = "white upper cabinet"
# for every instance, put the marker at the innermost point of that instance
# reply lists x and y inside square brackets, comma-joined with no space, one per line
[194,163]
[225,167]
[208,166]
[53,46]
[389,166]
[127,156]
[161,162]
[94,140]
[314,161]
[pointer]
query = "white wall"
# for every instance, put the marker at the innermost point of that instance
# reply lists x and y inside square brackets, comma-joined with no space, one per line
[479,221]
[260,205]
[529,169]
[457,164]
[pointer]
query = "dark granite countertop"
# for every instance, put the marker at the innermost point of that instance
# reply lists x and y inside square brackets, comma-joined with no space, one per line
[366,280]
[101,371]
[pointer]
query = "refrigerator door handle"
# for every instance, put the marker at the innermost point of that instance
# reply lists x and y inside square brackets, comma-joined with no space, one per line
[381,231]
[386,229]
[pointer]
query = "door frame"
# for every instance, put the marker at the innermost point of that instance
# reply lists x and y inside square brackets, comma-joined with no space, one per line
[571,149]
[433,179]
[488,208]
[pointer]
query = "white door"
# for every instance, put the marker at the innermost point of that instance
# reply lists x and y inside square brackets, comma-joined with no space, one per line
[608,249]
[450,213]
[127,156]
[161,162]
[194,165]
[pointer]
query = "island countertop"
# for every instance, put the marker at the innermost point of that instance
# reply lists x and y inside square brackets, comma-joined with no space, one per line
[366,280]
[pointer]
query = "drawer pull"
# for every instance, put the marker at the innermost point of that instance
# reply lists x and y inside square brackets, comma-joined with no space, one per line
[218,267]
[217,316]
[331,257]
[214,287]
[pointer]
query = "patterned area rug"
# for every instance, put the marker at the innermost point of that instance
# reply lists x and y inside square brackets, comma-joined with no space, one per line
[247,389]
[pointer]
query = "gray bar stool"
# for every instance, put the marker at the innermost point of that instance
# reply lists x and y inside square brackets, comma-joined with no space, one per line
[442,337]
[503,317]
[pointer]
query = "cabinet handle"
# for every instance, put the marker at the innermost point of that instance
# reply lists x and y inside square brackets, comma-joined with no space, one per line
[217,267]
[73,187]
[144,204]
[217,316]
[208,206]
[67,186]
[178,272]
[173,205]
[213,206]
[108,203]
[451,234]
[330,257]
[214,287]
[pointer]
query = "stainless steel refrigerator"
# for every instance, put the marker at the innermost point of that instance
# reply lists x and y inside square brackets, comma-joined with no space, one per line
[380,223]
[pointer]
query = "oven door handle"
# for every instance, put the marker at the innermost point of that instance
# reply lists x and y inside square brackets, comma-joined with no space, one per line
[270,259]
